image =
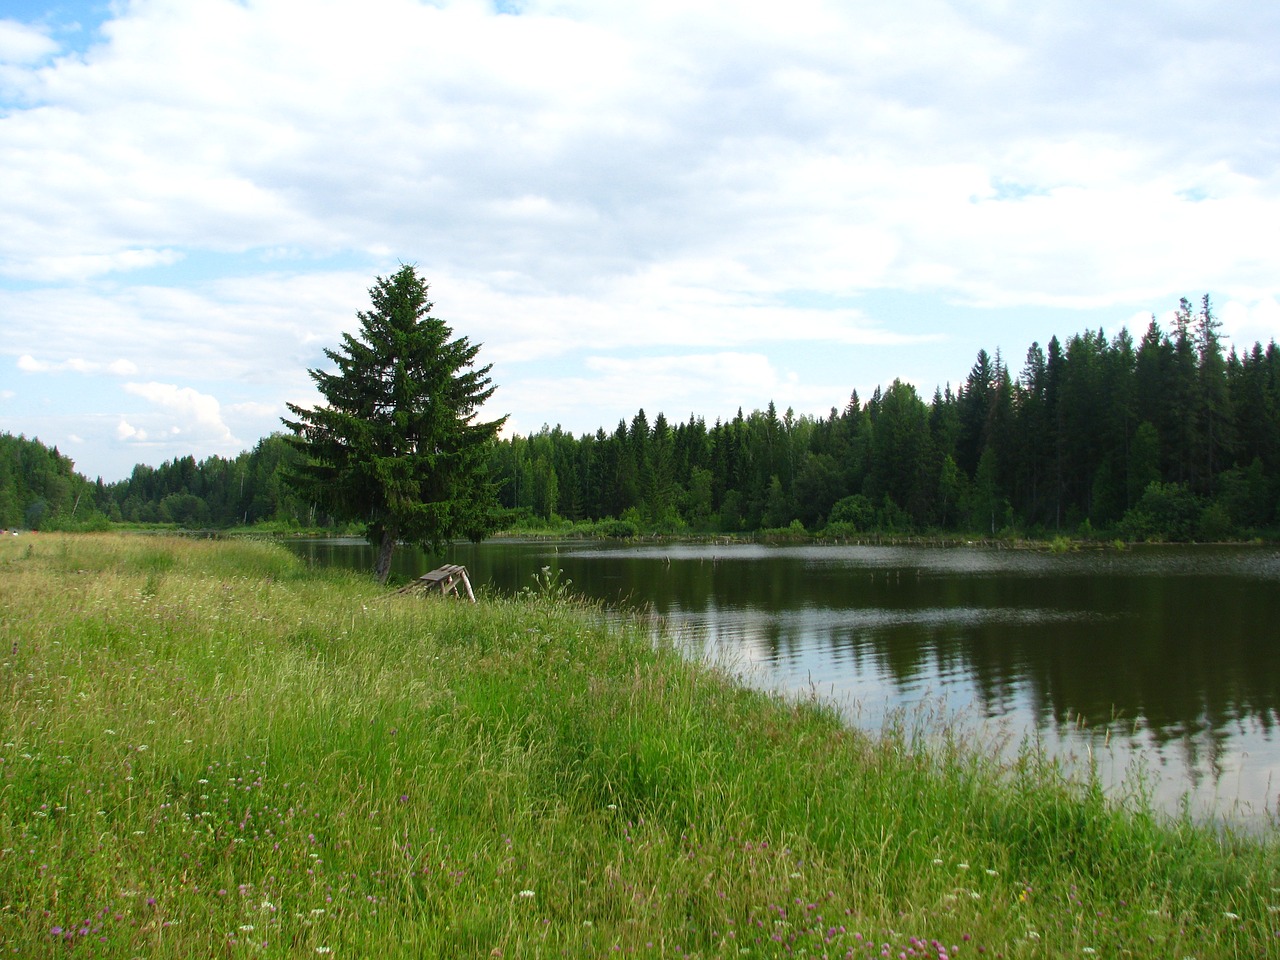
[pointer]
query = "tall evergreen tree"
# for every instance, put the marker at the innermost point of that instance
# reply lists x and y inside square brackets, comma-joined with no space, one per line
[1214,435]
[396,444]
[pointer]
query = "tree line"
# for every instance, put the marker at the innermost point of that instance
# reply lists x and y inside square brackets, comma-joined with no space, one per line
[1165,437]
[40,489]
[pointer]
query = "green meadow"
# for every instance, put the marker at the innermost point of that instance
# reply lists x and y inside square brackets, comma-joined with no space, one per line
[207,749]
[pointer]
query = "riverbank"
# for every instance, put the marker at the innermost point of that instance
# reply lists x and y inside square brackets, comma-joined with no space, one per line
[845,536]
[209,748]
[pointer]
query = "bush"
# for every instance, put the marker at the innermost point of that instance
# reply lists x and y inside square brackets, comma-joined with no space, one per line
[1166,511]
[855,511]
[1215,523]
[617,529]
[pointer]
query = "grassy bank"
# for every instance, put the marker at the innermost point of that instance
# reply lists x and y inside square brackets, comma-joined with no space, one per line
[210,750]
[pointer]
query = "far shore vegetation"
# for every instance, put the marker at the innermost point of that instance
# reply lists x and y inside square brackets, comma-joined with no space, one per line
[209,748]
[1165,438]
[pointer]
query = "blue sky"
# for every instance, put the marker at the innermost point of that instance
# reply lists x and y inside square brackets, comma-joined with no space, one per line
[688,206]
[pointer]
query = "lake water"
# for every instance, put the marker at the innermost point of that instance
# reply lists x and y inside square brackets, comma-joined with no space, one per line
[1160,658]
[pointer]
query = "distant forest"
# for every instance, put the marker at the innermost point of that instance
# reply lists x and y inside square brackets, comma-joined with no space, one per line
[1165,438]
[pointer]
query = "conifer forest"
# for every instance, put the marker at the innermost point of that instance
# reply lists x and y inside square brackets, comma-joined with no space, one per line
[1166,437]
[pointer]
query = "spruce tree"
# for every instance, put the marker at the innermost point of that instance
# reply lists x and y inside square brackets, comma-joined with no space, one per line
[396,444]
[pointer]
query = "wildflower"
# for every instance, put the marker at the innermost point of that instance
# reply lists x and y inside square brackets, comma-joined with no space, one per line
[246,927]
[1088,950]
[323,950]
[526,894]
[1231,916]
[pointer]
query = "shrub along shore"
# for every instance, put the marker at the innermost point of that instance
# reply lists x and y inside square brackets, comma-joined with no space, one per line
[209,749]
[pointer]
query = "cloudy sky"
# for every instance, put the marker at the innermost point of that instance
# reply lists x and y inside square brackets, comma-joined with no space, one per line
[688,206]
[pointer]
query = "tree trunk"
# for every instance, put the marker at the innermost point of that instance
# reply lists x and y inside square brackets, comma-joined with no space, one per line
[385,549]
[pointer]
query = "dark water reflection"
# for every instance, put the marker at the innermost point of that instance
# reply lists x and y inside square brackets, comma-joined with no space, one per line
[1164,657]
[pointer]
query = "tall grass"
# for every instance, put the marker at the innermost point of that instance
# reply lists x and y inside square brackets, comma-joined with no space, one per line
[210,750]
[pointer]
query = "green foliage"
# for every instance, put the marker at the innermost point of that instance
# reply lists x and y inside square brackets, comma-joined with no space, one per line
[1167,511]
[40,489]
[397,445]
[855,511]
[1078,437]
[1071,444]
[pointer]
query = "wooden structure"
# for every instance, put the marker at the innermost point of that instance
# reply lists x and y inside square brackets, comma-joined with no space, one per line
[446,579]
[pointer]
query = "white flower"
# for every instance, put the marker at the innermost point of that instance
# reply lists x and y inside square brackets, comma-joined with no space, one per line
[1231,916]
[526,894]
[323,950]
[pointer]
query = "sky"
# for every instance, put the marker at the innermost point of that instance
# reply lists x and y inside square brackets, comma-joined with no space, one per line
[685,206]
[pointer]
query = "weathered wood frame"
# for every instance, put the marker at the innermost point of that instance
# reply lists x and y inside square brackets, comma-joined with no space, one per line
[447,578]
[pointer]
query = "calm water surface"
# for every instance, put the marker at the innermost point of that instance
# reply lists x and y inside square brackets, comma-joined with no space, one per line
[1164,658]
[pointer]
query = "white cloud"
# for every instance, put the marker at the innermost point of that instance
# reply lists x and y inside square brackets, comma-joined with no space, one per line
[193,413]
[819,148]
[707,385]
[122,368]
[29,364]
[20,43]
[126,431]
[1246,322]
[254,409]
[55,267]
